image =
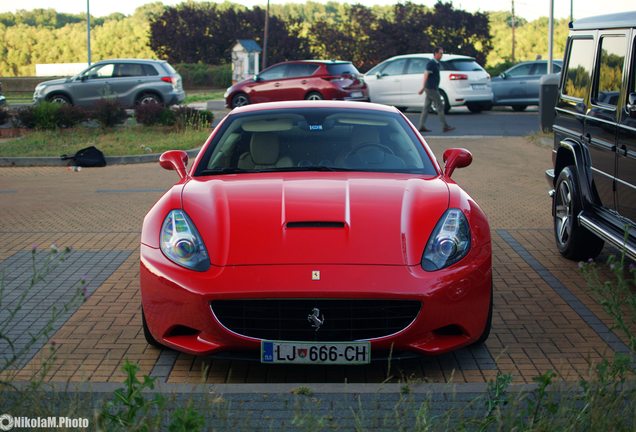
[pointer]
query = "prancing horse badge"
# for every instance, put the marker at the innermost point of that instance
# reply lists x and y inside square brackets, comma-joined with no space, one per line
[315,275]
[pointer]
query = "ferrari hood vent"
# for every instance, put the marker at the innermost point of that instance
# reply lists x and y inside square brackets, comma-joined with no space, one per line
[315,224]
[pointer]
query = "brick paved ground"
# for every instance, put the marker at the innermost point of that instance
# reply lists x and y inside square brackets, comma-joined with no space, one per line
[544,315]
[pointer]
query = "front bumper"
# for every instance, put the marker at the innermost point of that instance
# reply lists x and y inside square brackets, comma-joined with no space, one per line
[454,301]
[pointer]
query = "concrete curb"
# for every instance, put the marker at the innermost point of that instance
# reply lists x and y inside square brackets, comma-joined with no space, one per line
[110,160]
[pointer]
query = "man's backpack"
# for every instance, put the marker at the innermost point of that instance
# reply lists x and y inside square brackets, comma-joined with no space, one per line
[87,157]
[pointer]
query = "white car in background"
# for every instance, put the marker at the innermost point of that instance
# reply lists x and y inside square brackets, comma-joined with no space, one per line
[396,81]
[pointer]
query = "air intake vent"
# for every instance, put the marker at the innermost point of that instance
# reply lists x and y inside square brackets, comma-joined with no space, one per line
[315,224]
[343,320]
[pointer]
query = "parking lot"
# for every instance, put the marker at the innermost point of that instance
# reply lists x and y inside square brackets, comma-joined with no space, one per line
[544,315]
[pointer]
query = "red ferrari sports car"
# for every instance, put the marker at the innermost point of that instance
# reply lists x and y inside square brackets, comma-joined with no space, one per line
[316,232]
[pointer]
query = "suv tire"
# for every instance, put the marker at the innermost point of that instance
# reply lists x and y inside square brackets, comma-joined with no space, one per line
[59,99]
[573,241]
[148,98]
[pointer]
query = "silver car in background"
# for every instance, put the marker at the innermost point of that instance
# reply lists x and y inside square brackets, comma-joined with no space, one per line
[518,86]
[131,82]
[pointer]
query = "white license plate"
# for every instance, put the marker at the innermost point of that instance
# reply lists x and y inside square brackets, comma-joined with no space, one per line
[315,352]
[479,86]
[356,94]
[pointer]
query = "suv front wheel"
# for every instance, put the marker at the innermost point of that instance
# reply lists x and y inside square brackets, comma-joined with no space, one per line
[574,241]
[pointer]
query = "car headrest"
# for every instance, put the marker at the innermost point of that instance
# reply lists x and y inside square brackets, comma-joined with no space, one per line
[264,148]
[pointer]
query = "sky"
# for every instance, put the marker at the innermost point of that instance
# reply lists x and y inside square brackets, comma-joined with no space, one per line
[528,9]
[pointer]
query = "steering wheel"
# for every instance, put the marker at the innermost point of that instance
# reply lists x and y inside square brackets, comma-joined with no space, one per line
[384,148]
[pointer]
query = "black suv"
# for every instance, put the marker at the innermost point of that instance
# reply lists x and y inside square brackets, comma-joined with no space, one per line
[594,156]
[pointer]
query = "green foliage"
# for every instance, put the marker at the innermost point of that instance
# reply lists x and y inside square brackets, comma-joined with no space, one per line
[616,293]
[152,114]
[46,115]
[192,119]
[497,398]
[69,116]
[186,419]
[206,32]
[531,39]
[129,409]
[204,75]
[4,116]
[108,112]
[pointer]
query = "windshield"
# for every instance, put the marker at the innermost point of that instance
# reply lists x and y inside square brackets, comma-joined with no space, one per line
[315,139]
[342,69]
[466,65]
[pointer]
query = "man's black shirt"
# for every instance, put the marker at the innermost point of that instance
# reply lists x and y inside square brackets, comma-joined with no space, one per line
[432,82]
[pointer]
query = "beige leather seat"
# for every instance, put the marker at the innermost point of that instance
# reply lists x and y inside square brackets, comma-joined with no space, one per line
[264,153]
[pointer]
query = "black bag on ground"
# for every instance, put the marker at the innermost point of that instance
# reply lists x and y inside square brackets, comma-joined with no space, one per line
[87,157]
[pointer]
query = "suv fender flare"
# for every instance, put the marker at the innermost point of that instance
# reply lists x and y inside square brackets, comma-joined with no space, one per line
[571,152]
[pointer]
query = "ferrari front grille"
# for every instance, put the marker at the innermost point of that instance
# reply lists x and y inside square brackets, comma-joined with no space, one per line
[315,319]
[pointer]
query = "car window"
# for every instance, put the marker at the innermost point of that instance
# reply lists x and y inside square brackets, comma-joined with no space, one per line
[315,139]
[396,67]
[464,65]
[300,69]
[416,66]
[608,80]
[275,72]
[342,69]
[541,68]
[556,68]
[124,70]
[166,65]
[577,77]
[101,71]
[520,70]
[149,70]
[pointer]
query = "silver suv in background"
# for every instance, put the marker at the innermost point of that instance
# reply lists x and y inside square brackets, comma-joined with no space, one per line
[131,82]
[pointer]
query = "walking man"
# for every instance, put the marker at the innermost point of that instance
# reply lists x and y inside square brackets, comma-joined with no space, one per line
[430,86]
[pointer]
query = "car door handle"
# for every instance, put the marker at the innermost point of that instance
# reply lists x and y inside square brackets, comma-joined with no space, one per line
[624,150]
[277,85]
[303,82]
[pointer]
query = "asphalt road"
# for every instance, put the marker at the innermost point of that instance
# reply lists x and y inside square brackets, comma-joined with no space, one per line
[501,121]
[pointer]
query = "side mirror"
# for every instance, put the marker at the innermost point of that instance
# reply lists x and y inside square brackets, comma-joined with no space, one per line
[631,105]
[379,75]
[257,78]
[456,158]
[83,78]
[176,160]
[503,75]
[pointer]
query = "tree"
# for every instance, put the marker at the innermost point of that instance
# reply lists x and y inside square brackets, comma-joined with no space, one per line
[191,33]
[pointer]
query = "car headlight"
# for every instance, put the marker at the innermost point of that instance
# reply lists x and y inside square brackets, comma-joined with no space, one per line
[181,242]
[38,89]
[449,242]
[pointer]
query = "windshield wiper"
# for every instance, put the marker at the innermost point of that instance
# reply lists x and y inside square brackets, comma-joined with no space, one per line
[225,170]
[322,168]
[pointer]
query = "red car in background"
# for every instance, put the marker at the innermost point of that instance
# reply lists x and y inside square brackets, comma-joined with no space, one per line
[297,80]
[316,233]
